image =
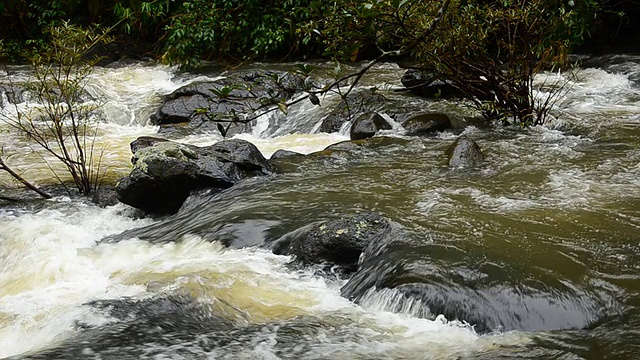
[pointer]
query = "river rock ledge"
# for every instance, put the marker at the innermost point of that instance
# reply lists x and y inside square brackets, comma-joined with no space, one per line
[337,242]
[165,172]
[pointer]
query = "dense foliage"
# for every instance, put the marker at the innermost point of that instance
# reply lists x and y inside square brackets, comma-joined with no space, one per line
[187,31]
[492,51]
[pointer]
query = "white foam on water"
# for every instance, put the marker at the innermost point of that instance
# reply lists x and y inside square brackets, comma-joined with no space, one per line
[44,277]
[301,143]
[52,266]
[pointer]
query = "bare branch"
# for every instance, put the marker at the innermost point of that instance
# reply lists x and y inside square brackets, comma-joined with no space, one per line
[15,175]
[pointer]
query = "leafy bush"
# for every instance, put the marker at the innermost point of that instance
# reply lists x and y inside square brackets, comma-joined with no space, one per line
[62,119]
[236,29]
[492,50]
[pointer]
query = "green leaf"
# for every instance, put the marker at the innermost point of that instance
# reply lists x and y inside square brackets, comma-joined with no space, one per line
[283,108]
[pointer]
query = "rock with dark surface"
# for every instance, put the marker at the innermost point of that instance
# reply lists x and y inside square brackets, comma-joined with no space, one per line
[426,123]
[464,152]
[182,105]
[423,83]
[166,172]
[358,103]
[166,321]
[366,125]
[357,146]
[179,112]
[414,78]
[282,154]
[145,141]
[105,196]
[337,242]
[442,278]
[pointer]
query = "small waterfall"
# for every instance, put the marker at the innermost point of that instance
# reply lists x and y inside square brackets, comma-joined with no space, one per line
[395,301]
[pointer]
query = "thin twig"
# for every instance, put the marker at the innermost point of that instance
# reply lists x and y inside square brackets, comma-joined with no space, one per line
[15,175]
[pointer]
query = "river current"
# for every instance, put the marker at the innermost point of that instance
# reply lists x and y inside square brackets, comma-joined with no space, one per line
[549,225]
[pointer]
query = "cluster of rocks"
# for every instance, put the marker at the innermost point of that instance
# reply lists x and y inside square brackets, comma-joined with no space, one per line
[190,108]
[165,172]
[368,247]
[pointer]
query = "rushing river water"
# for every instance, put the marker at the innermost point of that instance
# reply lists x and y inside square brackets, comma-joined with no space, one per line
[542,239]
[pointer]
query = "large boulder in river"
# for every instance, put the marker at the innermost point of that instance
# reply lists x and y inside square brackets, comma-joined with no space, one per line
[166,172]
[337,242]
[426,123]
[427,274]
[180,111]
[367,125]
[464,152]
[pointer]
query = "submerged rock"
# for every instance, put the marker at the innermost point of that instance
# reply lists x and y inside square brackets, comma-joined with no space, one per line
[366,125]
[338,242]
[464,152]
[428,280]
[368,143]
[282,154]
[166,172]
[426,123]
[160,325]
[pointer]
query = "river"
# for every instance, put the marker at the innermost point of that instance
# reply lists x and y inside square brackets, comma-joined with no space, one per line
[542,236]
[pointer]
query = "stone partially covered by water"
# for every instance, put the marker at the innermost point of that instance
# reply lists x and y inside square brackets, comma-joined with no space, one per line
[399,274]
[464,152]
[423,83]
[166,172]
[138,328]
[427,123]
[357,103]
[367,125]
[338,242]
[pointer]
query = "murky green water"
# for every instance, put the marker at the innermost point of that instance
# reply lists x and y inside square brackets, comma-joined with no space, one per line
[541,237]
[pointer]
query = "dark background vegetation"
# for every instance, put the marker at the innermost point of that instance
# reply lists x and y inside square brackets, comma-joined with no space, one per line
[186,32]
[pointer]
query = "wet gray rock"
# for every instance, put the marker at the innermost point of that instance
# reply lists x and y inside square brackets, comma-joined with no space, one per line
[145,141]
[426,123]
[423,83]
[179,112]
[366,125]
[283,154]
[165,172]
[356,103]
[167,321]
[337,242]
[464,152]
[444,278]
[360,145]
[105,196]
